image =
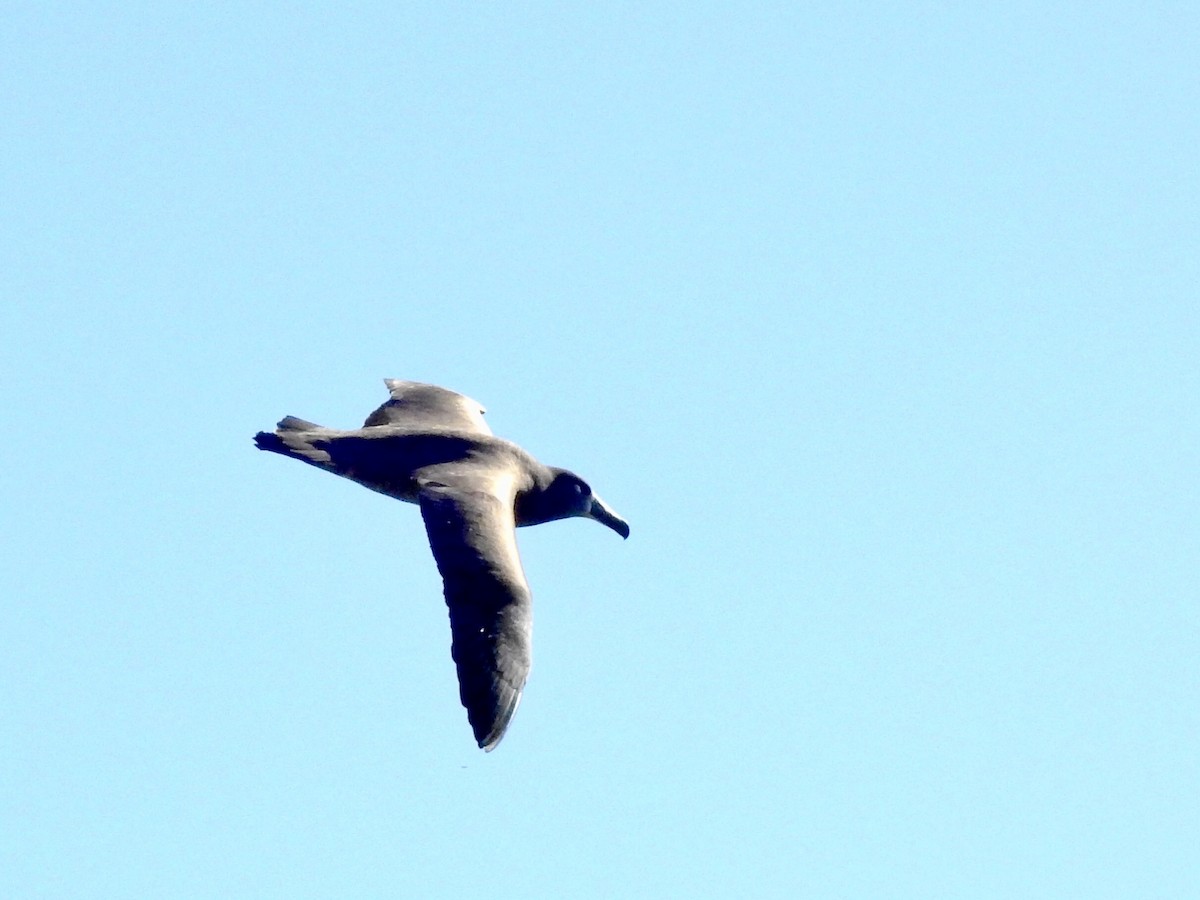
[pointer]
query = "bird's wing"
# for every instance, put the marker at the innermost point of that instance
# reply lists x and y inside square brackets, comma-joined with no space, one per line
[472,532]
[426,407]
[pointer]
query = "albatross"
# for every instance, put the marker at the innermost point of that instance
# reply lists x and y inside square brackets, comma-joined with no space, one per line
[430,446]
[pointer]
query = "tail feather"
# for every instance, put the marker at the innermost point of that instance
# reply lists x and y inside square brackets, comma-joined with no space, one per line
[266,440]
[291,423]
[295,438]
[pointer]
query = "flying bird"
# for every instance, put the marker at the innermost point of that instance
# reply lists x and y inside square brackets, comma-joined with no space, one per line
[430,446]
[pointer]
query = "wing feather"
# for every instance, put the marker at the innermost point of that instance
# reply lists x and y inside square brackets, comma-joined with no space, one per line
[472,533]
[426,407]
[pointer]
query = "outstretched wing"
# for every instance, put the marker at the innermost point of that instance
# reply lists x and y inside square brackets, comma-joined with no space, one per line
[472,532]
[426,407]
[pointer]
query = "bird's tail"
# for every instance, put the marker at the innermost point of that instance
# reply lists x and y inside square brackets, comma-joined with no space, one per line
[293,437]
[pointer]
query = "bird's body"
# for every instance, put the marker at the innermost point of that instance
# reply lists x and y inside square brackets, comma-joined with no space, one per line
[430,446]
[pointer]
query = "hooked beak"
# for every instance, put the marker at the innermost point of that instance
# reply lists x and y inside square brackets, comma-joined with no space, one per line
[601,512]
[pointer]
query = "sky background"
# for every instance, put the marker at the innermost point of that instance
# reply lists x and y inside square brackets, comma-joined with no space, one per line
[878,322]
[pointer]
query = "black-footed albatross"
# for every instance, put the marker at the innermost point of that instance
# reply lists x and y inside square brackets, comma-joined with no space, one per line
[430,446]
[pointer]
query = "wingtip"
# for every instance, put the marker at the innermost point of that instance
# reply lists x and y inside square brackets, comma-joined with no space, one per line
[489,742]
[498,727]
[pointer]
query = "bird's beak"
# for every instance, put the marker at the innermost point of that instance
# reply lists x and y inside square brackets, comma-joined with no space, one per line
[601,512]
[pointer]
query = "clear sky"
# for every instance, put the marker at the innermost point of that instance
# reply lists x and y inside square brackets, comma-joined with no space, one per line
[878,322]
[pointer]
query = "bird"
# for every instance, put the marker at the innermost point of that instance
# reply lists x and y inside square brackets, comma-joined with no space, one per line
[430,446]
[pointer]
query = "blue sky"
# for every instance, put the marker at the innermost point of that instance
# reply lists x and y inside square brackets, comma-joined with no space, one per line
[878,324]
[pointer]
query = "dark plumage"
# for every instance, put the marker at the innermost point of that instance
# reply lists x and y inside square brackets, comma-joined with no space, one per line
[430,446]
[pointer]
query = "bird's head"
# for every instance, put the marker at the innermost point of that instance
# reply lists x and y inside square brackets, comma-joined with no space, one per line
[568,495]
